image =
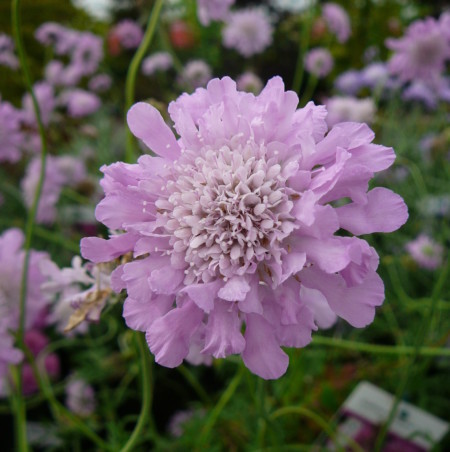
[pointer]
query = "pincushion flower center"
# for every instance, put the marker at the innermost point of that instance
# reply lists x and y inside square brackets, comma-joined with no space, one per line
[226,211]
[428,50]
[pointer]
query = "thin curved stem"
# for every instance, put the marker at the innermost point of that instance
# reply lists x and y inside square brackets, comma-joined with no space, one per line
[133,69]
[147,386]
[379,349]
[215,413]
[317,419]
[187,374]
[20,410]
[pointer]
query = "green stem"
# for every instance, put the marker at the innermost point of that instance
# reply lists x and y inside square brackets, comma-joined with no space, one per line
[379,349]
[215,413]
[20,411]
[133,69]
[318,420]
[60,412]
[187,374]
[309,90]
[147,385]
[303,47]
[421,338]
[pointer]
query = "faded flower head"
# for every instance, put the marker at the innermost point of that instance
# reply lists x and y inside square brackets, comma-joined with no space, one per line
[209,10]
[7,57]
[426,252]
[422,52]
[319,62]
[337,21]
[129,33]
[195,74]
[159,61]
[349,82]
[248,31]
[79,103]
[8,355]
[100,83]
[80,397]
[235,223]
[347,108]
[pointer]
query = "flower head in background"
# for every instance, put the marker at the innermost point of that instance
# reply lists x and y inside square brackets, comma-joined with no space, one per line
[159,61]
[349,82]
[11,266]
[426,252]
[45,97]
[233,224]
[347,108]
[375,76]
[422,52]
[319,62]
[62,39]
[11,136]
[249,82]
[293,6]
[248,31]
[419,91]
[337,21]
[8,355]
[59,171]
[79,103]
[88,53]
[209,10]
[128,33]
[195,74]
[7,57]
[80,397]
[100,83]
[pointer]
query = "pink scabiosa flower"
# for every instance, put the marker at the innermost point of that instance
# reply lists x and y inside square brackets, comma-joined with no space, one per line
[248,31]
[249,82]
[62,39]
[347,108]
[209,10]
[349,82]
[426,252]
[159,61]
[128,33]
[375,75]
[422,52]
[80,397]
[45,97]
[195,74]
[7,57]
[88,53]
[235,223]
[11,136]
[319,62]
[337,21]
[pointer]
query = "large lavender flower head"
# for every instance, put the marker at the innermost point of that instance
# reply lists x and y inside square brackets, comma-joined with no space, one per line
[422,52]
[337,20]
[248,31]
[233,224]
[319,62]
[209,10]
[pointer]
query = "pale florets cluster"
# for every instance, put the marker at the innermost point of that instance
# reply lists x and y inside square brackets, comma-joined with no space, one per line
[235,223]
[80,397]
[423,51]
[248,31]
[11,138]
[196,74]
[250,82]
